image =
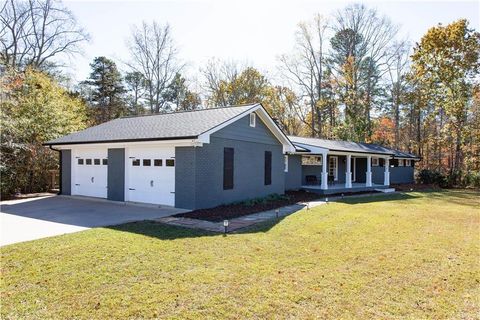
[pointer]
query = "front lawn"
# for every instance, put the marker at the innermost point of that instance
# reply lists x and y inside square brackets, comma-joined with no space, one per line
[415,255]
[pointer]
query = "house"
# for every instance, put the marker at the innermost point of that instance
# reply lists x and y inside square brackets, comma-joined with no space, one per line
[204,158]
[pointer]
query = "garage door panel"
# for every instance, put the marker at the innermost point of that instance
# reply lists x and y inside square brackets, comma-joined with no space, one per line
[150,179]
[90,173]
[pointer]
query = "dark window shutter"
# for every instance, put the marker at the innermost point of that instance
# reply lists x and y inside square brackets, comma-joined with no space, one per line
[268,167]
[227,168]
[381,162]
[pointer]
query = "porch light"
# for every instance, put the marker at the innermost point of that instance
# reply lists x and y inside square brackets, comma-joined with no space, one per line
[225,225]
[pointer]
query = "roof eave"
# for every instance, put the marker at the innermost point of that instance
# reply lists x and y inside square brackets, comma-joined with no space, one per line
[117,141]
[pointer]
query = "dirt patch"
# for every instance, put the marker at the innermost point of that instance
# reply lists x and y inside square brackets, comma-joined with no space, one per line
[235,210]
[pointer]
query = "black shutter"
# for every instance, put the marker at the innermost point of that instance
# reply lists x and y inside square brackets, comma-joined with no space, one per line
[227,168]
[268,168]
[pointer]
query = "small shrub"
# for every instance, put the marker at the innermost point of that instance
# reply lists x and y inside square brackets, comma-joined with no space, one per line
[472,179]
[427,176]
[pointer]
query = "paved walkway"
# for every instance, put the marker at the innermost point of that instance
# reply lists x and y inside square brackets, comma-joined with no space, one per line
[240,222]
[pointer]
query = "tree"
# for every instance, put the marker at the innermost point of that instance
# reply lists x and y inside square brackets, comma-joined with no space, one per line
[154,55]
[135,87]
[35,32]
[107,90]
[398,68]
[360,51]
[305,67]
[35,109]
[216,73]
[179,97]
[446,65]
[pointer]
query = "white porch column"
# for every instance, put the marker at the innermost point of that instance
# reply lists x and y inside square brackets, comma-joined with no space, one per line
[348,174]
[386,178]
[324,172]
[369,172]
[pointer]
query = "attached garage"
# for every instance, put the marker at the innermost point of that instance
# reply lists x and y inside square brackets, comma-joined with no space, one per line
[177,159]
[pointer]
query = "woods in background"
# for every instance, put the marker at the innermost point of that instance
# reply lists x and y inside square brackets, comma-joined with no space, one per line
[348,76]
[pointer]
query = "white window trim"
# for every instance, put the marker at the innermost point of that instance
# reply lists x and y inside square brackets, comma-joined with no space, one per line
[253,118]
[335,173]
[375,162]
[286,163]
[408,163]
[315,162]
[401,163]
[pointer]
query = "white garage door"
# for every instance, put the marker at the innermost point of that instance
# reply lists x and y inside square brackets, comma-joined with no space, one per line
[152,175]
[90,172]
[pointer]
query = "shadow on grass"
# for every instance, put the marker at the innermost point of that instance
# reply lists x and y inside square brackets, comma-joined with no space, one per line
[169,232]
[463,197]
[376,198]
[161,231]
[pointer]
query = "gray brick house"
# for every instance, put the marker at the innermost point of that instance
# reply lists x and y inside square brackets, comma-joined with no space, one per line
[204,158]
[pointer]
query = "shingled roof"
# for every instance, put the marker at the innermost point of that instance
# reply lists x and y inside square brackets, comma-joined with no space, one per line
[167,126]
[347,146]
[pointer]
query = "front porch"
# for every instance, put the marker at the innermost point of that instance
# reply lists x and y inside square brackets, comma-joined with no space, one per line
[340,188]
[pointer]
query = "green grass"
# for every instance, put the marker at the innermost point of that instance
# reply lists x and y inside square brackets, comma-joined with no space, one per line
[403,256]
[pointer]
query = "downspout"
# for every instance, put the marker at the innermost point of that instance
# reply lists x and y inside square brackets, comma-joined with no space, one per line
[60,167]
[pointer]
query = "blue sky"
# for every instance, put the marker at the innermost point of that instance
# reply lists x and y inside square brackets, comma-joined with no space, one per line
[252,31]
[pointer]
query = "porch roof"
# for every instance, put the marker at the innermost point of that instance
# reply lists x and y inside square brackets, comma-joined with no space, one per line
[315,145]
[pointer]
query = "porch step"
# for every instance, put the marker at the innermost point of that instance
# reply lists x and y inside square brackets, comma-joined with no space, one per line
[387,190]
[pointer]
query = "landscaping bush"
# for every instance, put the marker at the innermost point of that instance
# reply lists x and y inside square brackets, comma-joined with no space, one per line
[427,176]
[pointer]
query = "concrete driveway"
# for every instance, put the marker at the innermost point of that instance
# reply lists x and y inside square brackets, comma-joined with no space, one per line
[35,218]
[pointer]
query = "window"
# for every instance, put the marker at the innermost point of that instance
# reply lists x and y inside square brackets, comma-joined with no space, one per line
[88,161]
[228,166]
[268,168]
[408,163]
[400,162]
[104,162]
[285,160]
[157,162]
[80,161]
[147,162]
[333,167]
[311,160]
[136,162]
[253,117]
[375,162]
[96,162]
[170,162]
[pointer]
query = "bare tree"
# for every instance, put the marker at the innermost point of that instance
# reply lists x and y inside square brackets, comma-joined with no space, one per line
[398,67]
[305,67]
[154,55]
[33,32]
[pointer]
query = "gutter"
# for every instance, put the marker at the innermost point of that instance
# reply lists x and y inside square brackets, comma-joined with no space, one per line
[117,141]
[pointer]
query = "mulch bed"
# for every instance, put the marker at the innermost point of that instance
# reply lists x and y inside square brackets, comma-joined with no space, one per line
[231,211]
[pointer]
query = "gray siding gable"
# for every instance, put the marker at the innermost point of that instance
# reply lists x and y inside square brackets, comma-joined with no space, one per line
[241,130]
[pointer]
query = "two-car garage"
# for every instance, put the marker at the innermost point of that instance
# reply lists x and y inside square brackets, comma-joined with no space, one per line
[147,173]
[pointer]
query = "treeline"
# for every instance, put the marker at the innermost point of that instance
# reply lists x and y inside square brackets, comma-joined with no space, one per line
[348,76]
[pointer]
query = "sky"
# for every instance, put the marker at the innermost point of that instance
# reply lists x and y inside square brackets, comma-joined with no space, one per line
[255,32]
